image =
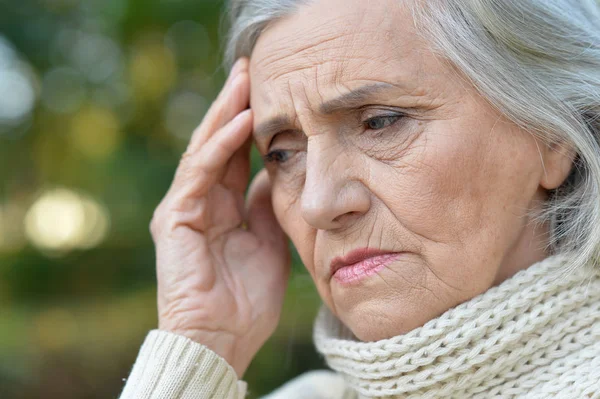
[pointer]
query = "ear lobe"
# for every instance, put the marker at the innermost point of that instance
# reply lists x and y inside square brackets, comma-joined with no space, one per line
[558,161]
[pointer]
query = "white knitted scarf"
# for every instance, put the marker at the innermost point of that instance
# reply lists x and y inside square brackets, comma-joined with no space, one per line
[537,335]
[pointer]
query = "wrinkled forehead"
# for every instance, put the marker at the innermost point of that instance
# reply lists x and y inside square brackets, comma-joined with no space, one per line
[331,46]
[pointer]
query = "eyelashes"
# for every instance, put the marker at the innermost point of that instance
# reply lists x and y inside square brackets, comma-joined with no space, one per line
[381,122]
[276,156]
[374,124]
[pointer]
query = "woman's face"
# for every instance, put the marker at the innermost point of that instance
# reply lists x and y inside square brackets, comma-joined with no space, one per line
[374,142]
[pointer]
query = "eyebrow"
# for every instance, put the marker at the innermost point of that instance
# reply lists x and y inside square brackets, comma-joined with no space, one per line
[273,126]
[353,99]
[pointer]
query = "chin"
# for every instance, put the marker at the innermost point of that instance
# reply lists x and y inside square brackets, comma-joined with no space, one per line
[382,307]
[370,321]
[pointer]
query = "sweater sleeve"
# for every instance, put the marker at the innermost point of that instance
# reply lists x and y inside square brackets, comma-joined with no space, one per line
[170,366]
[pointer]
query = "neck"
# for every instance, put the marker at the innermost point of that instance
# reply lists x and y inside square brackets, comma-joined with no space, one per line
[531,247]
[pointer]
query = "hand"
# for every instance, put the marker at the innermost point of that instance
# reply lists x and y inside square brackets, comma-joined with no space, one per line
[222,263]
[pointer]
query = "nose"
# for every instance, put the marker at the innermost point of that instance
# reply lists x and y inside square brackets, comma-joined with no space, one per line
[333,194]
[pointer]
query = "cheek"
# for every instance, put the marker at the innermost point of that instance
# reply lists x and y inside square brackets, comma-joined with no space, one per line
[462,188]
[281,208]
[425,187]
[286,206]
[485,179]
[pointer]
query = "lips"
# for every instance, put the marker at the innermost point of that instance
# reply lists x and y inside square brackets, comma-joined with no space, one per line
[360,263]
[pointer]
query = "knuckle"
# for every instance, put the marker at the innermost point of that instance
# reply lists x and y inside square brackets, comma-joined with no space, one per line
[186,155]
[190,176]
[186,170]
[156,221]
[222,149]
[185,163]
[154,227]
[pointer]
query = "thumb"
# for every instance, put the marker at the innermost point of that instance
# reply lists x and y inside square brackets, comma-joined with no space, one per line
[261,219]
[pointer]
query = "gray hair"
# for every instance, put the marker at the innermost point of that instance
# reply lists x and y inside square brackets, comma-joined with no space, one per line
[536,61]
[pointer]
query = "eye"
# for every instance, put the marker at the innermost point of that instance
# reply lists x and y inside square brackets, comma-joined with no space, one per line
[276,156]
[381,122]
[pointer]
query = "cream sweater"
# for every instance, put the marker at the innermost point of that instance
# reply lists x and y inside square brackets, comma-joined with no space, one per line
[537,335]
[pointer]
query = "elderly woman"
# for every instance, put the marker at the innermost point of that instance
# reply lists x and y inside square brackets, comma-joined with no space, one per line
[437,165]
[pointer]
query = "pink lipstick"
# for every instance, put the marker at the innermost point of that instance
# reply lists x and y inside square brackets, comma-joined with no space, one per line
[361,263]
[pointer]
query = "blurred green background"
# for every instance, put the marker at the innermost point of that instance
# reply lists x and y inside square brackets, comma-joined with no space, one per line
[97,101]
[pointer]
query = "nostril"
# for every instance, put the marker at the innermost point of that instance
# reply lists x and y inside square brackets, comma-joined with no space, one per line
[345,216]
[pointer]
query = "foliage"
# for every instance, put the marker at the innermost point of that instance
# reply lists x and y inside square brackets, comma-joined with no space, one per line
[97,101]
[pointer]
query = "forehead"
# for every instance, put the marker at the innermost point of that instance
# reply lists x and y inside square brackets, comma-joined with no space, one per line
[332,46]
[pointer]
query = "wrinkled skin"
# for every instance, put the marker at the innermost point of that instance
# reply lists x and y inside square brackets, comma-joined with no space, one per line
[221,262]
[449,184]
[417,163]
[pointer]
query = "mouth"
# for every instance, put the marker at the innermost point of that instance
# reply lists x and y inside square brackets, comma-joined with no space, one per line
[360,263]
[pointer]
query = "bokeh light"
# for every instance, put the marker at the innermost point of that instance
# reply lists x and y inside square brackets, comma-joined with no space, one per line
[60,4]
[8,54]
[17,93]
[189,42]
[56,329]
[95,132]
[62,220]
[114,94]
[95,56]
[97,101]
[184,113]
[63,90]
[19,102]
[12,237]
[153,69]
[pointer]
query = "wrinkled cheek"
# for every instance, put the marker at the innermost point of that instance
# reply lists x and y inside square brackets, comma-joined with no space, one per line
[287,210]
[281,210]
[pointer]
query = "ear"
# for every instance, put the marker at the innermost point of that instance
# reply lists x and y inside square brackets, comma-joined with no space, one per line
[558,161]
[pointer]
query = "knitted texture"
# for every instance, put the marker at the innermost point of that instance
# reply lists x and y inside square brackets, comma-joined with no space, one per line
[171,366]
[537,335]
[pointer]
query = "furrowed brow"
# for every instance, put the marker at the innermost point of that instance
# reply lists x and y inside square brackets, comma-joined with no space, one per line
[272,126]
[354,98]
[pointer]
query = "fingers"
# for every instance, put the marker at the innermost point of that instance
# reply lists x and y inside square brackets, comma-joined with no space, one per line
[260,215]
[224,129]
[233,99]
[200,170]
[238,169]
[238,66]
